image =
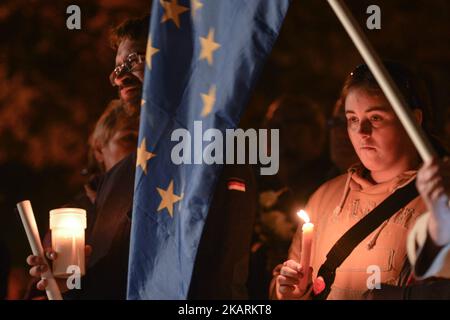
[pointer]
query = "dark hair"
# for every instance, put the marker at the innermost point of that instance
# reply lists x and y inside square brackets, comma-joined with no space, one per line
[410,85]
[292,108]
[133,29]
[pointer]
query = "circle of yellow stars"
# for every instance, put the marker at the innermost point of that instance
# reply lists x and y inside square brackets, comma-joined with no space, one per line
[172,12]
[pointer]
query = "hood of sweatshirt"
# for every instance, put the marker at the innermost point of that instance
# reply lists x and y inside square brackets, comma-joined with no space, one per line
[358,179]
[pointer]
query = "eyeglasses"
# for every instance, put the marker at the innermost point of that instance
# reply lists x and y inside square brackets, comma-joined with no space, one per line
[131,62]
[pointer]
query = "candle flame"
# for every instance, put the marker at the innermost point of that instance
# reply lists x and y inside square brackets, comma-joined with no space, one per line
[303,215]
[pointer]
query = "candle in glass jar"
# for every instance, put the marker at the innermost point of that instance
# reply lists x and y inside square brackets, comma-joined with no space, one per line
[67,226]
[307,236]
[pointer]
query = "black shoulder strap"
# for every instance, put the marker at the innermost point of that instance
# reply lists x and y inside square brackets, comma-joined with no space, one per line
[345,245]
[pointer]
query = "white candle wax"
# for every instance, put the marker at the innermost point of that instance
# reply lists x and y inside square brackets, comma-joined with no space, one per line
[307,236]
[67,225]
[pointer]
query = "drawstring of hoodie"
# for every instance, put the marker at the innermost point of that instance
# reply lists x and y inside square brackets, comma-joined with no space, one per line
[339,207]
[337,211]
[373,241]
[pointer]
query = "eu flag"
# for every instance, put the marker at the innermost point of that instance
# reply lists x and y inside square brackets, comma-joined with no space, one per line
[202,60]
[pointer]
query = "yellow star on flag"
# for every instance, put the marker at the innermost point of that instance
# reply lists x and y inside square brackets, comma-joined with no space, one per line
[195,6]
[172,11]
[208,47]
[168,198]
[143,156]
[150,52]
[208,100]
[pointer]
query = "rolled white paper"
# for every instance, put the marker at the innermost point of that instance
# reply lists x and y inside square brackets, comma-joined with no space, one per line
[30,226]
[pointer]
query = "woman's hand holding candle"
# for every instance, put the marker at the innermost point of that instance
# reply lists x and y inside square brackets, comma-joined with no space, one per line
[291,282]
[294,278]
[38,267]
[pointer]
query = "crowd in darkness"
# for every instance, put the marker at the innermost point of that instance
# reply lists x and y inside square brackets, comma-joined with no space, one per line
[57,133]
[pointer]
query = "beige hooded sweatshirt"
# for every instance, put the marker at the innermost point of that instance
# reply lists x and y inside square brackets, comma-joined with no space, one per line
[339,204]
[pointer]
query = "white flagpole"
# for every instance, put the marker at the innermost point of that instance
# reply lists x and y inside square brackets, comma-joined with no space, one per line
[383,78]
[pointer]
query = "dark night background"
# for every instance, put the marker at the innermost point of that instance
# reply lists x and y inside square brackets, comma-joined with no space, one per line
[54,83]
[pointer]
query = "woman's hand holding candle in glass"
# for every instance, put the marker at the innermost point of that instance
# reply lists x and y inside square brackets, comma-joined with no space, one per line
[38,267]
[68,247]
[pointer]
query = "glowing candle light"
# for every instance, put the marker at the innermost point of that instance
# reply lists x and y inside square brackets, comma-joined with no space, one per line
[307,236]
[67,225]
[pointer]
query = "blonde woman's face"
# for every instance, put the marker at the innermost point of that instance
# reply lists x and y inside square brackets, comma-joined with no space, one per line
[118,147]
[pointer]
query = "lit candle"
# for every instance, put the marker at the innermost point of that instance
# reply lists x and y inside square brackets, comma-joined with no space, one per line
[67,226]
[307,236]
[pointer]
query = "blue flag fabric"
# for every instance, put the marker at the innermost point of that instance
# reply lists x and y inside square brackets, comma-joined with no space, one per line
[203,58]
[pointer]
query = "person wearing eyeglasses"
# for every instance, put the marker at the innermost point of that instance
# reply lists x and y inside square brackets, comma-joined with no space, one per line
[224,250]
[128,75]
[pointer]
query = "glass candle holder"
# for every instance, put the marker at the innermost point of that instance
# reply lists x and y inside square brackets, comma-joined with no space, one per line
[67,227]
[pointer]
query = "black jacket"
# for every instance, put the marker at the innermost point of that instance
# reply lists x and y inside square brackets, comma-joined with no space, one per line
[4,270]
[223,252]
